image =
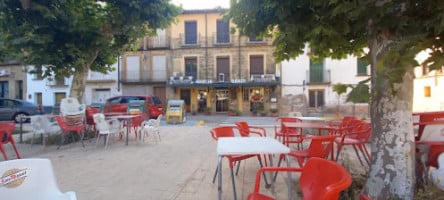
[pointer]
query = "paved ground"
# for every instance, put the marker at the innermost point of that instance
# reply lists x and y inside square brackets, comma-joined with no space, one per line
[179,167]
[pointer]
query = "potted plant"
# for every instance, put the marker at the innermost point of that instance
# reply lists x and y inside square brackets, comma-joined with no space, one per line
[274,112]
[208,110]
[263,113]
[234,112]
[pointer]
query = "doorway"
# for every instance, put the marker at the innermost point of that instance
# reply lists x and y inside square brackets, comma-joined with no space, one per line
[222,100]
[185,94]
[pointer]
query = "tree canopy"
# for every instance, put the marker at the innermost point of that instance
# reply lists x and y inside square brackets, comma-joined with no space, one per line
[71,36]
[393,31]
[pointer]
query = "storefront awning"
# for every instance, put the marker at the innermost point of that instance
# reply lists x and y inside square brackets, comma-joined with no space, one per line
[223,84]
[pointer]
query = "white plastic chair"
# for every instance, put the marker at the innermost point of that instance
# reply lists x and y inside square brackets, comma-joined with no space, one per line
[105,127]
[437,175]
[41,125]
[71,106]
[30,179]
[151,126]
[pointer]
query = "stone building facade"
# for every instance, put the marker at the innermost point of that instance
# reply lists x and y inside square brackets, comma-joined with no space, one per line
[207,65]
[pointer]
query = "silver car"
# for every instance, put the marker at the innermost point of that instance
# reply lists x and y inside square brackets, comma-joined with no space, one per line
[18,110]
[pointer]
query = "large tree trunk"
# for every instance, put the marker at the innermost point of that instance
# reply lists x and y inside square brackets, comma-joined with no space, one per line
[78,83]
[392,169]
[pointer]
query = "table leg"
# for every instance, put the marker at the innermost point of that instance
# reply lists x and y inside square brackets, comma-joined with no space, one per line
[219,175]
[127,130]
[289,178]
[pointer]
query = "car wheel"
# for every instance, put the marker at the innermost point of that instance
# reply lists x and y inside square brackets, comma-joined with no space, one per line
[21,116]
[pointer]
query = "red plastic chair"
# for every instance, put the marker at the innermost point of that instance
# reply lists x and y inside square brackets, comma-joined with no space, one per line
[344,125]
[357,137]
[246,130]
[287,135]
[229,131]
[320,147]
[89,113]
[136,123]
[6,129]
[78,128]
[320,179]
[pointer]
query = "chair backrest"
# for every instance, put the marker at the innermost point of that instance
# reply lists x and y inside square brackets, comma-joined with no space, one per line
[157,122]
[321,146]
[71,106]
[243,128]
[89,112]
[61,121]
[361,132]
[30,179]
[323,179]
[222,131]
[6,129]
[41,124]
[37,124]
[100,122]
[279,124]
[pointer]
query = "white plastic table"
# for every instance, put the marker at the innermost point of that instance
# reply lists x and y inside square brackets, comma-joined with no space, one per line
[121,118]
[246,145]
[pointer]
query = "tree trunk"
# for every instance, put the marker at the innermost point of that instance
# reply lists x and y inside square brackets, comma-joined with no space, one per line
[392,169]
[78,83]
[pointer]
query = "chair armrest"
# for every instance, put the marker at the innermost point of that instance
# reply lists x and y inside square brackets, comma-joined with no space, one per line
[257,130]
[272,169]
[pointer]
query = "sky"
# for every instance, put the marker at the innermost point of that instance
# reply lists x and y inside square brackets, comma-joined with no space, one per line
[201,4]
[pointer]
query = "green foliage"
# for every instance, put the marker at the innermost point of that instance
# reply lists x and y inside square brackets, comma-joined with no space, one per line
[340,88]
[336,29]
[359,94]
[69,35]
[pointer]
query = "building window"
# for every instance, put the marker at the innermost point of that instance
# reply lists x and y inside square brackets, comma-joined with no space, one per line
[256,65]
[246,94]
[223,32]
[254,38]
[19,89]
[316,71]
[4,89]
[59,96]
[223,68]
[191,32]
[38,98]
[191,67]
[316,98]
[38,73]
[362,66]
[427,91]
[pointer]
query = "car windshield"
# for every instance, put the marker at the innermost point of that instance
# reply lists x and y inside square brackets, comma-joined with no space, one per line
[156,101]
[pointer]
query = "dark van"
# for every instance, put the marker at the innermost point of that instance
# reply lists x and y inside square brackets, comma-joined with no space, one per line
[119,104]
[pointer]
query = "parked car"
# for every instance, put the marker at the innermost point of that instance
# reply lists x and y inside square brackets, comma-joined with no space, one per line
[18,110]
[119,104]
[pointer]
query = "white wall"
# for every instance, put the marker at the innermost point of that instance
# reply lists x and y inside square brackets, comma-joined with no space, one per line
[295,71]
[435,102]
[96,83]
[40,86]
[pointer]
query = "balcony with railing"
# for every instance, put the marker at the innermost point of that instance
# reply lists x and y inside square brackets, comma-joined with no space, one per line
[318,77]
[154,42]
[190,41]
[57,82]
[215,40]
[221,39]
[221,80]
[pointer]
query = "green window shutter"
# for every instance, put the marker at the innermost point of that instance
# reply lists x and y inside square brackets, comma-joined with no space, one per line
[362,66]
[316,72]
